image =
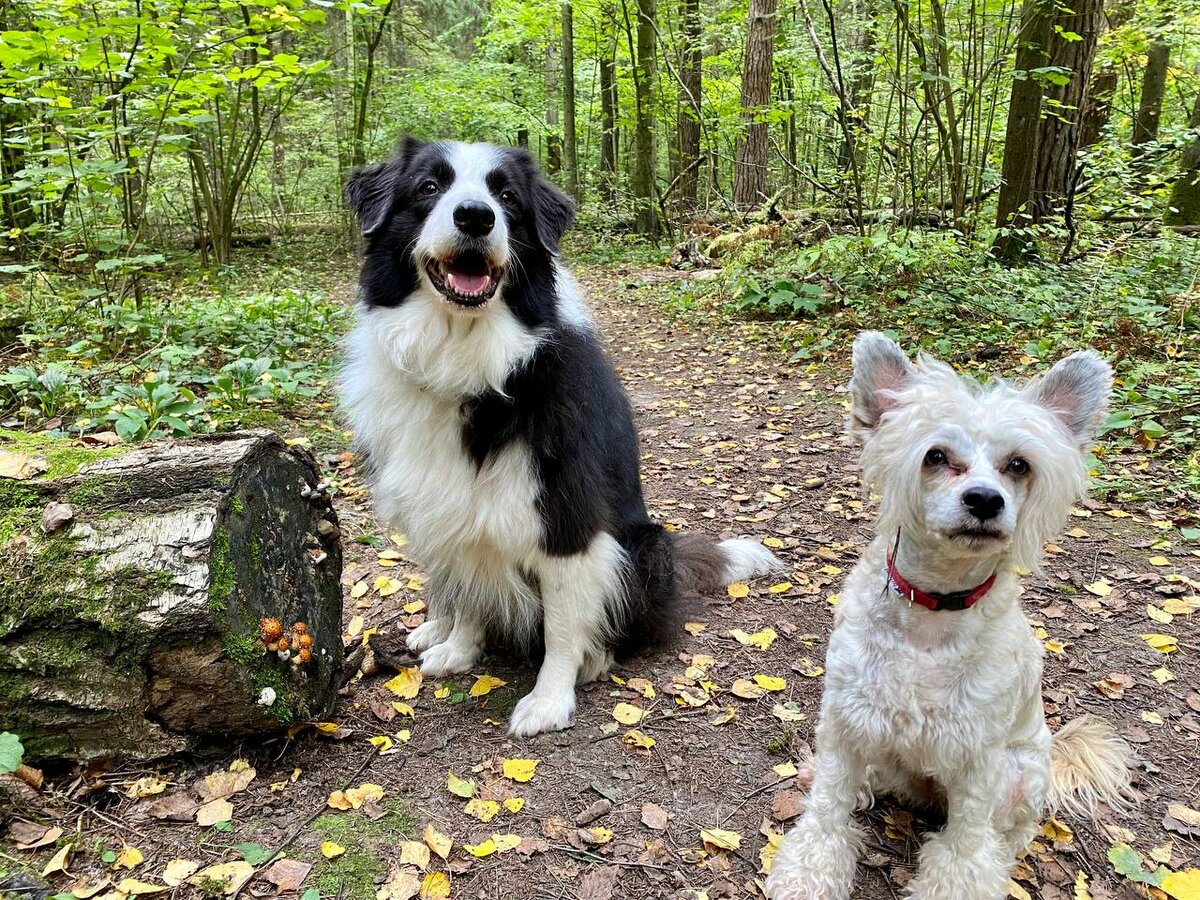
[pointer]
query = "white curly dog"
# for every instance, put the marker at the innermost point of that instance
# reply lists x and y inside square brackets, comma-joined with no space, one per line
[933,676]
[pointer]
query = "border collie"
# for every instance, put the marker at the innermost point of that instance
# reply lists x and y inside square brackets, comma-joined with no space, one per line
[497,434]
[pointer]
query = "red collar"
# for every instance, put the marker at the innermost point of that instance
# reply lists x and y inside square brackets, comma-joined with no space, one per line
[956,600]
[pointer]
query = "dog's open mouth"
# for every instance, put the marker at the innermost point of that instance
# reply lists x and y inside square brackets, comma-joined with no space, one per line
[467,279]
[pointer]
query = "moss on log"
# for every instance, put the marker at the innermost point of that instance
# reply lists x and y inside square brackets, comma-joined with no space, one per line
[131,629]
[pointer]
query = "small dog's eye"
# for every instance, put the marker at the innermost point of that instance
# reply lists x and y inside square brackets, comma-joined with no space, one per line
[429,188]
[936,457]
[508,198]
[1018,466]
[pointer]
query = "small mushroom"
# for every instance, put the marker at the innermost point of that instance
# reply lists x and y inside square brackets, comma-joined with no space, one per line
[271,630]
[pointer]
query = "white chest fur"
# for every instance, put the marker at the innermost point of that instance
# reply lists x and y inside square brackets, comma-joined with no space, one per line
[407,371]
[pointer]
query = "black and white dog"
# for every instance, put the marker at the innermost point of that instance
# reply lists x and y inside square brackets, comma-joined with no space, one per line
[496,432]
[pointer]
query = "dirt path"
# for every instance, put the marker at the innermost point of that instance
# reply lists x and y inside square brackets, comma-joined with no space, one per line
[735,443]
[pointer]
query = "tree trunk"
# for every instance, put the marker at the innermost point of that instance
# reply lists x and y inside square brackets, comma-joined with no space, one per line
[645,72]
[1058,137]
[570,141]
[554,156]
[132,629]
[1020,137]
[859,83]
[1097,105]
[1154,85]
[690,87]
[1185,194]
[608,125]
[750,175]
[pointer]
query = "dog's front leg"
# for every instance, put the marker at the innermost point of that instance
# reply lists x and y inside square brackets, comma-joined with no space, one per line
[457,652]
[818,857]
[574,593]
[968,859]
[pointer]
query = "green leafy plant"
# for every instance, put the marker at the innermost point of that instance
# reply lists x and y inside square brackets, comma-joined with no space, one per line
[11,752]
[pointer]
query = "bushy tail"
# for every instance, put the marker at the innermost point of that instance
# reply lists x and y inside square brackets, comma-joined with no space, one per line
[1089,765]
[704,565]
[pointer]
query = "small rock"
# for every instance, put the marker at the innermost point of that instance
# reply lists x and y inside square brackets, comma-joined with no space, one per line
[56,515]
[597,810]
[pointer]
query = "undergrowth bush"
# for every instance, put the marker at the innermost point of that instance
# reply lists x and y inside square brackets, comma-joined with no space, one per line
[194,355]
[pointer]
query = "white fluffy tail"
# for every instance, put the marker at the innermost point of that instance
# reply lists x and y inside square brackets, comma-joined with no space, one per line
[1089,765]
[746,559]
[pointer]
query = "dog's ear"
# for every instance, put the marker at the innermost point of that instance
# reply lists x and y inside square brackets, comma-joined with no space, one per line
[371,193]
[553,213]
[880,368]
[1076,390]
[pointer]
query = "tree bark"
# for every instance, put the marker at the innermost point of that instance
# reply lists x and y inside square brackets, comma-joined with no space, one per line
[132,630]
[1185,193]
[690,87]
[570,141]
[645,74]
[1154,85]
[554,149]
[1058,138]
[1020,137]
[608,125]
[750,174]
[1097,105]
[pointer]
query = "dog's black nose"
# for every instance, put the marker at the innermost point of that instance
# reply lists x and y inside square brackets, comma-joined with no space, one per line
[983,503]
[474,218]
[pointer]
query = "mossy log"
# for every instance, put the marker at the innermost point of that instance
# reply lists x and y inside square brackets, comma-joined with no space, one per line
[132,585]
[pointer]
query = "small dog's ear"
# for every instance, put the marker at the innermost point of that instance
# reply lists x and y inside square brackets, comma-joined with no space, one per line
[1077,391]
[371,193]
[880,367]
[553,213]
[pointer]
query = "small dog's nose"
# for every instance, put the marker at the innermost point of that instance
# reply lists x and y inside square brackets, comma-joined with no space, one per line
[474,218]
[983,503]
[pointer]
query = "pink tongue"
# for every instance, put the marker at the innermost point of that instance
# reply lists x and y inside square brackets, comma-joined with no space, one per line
[467,284]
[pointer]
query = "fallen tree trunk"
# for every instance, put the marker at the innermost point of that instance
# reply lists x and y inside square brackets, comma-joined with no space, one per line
[132,585]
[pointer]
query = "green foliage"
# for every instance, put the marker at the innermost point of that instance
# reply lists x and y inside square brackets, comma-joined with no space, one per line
[11,752]
[217,359]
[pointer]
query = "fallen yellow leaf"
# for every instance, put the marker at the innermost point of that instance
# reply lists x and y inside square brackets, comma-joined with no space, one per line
[485,684]
[738,590]
[332,850]
[760,639]
[520,769]
[437,842]
[436,886]
[406,685]
[460,787]
[1163,643]
[129,858]
[770,682]
[628,714]
[635,738]
[1101,588]
[1183,885]
[718,837]
[483,810]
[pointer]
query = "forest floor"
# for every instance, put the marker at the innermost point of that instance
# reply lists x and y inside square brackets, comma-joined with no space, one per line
[736,441]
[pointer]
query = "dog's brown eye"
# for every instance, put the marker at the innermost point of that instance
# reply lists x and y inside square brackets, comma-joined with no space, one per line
[936,457]
[429,188]
[508,198]
[1018,466]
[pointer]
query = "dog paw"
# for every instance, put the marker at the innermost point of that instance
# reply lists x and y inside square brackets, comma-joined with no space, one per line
[814,862]
[448,658]
[429,634]
[536,713]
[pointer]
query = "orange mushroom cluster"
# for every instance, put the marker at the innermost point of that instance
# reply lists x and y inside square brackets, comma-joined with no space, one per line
[300,643]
